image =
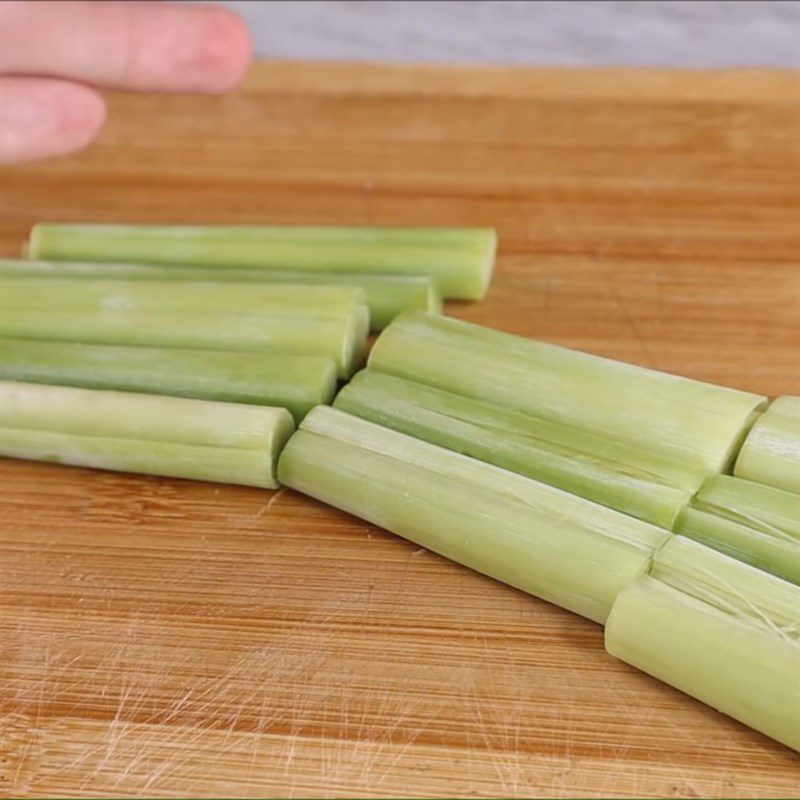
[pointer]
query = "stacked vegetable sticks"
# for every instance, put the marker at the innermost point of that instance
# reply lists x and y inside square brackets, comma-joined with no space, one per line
[630,438]
[253,315]
[540,539]
[596,485]
[720,630]
[638,441]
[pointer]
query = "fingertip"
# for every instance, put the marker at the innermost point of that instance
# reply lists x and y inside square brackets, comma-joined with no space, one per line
[224,49]
[81,113]
[42,118]
[140,45]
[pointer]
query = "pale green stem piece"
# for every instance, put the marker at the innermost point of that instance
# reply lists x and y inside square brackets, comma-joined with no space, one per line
[328,338]
[720,630]
[172,436]
[300,320]
[675,418]
[209,296]
[297,383]
[458,260]
[637,481]
[387,296]
[771,452]
[749,521]
[539,539]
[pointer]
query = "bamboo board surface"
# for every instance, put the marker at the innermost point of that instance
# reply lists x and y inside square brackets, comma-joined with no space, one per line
[167,638]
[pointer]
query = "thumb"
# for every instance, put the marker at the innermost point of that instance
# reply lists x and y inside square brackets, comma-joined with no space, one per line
[43,117]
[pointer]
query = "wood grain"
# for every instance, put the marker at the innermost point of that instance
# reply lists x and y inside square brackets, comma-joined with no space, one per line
[168,638]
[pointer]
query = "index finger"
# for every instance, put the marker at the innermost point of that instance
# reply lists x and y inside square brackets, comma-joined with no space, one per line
[155,46]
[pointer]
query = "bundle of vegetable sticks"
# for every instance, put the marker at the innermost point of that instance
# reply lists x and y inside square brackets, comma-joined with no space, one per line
[665,508]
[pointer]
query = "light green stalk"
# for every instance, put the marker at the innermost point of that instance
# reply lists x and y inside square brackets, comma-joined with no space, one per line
[210,297]
[672,417]
[636,481]
[458,260]
[562,548]
[171,436]
[300,320]
[749,521]
[771,452]
[720,630]
[387,296]
[297,383]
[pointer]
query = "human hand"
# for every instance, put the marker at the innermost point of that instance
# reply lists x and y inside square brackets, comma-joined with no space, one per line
[51,53]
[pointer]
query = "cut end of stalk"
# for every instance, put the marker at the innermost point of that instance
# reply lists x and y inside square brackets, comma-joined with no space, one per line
[354,343]
[435,303]
[33,247]
[770,453]
[328,384]
[787,405]
[279,436]
[728,459]
[487,260]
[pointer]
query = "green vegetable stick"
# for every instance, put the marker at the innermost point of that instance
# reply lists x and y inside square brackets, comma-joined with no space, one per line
[562,548]
[720,630]
[209,297]
[297,383]
[387,296]
[749,521]
[458,260]
[673,417]
[328,338]
[771,452]
[171,436]
[631,479]
[301,320]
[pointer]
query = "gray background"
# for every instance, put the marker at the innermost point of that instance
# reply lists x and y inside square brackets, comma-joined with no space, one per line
[704,33]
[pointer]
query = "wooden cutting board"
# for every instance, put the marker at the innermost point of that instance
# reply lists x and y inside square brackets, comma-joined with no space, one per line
[168,638]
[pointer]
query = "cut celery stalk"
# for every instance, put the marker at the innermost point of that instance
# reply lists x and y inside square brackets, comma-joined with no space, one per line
[749,521]
[720,630]
[387,296]
[171,436]
[771,452]
[458,260]
[297,383]
[639,482]
[300,320]
[330,338]
[673,417]
[532,536]
[208,296]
